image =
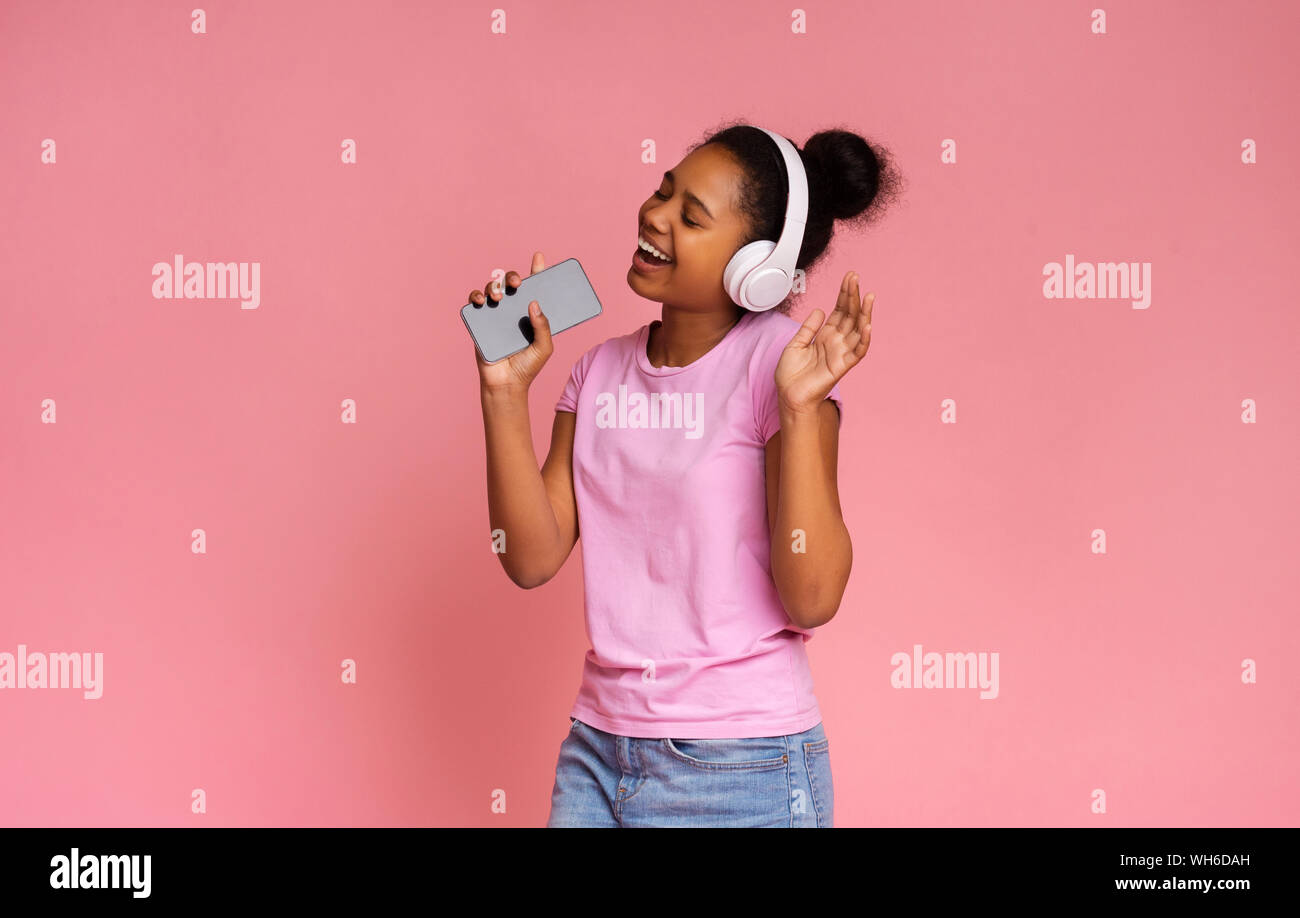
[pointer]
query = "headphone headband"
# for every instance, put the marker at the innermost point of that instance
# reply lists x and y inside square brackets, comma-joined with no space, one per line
[761,274]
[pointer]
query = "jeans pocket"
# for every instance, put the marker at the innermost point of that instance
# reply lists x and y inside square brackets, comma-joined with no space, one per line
[757,753]
[817,760]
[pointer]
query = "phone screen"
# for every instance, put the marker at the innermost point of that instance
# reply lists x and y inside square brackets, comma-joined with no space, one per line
[564,294]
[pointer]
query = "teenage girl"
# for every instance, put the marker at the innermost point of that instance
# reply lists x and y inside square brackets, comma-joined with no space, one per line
[697,456]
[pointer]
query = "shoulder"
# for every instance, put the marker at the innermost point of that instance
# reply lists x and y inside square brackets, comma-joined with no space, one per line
[771,331]
[614,347]
[600,361]
[774,327]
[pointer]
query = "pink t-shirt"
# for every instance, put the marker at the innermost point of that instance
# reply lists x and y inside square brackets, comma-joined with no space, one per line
[688,635]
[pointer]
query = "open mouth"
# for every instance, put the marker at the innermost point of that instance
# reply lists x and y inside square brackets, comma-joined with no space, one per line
[645,262]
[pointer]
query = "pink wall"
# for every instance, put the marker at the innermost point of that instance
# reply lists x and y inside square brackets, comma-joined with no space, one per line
[1119,671]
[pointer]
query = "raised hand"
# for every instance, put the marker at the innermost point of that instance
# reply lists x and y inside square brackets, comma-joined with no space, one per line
[819,355]
[517,370]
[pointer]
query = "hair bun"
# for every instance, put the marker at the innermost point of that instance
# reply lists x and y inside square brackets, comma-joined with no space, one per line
[850,181]
[848,169]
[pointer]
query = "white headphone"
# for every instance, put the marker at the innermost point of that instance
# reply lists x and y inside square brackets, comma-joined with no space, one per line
[761,274]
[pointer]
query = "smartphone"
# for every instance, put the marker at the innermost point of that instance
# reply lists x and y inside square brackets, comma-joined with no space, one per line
[503,328]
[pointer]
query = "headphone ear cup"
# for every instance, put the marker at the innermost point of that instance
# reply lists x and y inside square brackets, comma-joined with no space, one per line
[742,265]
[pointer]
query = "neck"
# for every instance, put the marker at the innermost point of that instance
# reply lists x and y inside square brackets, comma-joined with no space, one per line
[682,337]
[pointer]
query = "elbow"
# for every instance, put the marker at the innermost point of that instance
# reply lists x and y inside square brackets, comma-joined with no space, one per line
[812,597]
[811,611]
[813,618]
[531,572]
[529,579]
[811,605]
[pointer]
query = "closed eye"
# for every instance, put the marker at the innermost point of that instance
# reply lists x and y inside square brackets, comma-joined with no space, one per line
[685,219]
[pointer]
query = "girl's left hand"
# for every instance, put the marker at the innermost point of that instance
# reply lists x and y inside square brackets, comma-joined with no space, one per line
[817,358]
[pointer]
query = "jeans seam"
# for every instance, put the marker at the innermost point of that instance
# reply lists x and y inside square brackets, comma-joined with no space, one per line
[789,782]
[810,751]
[753,765]
[639,766]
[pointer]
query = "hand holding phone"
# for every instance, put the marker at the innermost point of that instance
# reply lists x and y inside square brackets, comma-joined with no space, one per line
[511,344]
[521,368]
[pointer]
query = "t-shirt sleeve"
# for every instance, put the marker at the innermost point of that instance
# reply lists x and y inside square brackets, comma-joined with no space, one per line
[767,411]
[569,397]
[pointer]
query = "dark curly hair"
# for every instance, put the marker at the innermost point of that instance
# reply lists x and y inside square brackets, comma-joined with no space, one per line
[849,179]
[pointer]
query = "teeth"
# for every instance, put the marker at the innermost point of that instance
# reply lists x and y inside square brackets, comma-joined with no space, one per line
[647,247]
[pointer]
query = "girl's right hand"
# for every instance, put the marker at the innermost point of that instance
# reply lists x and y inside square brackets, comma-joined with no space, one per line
[518,370]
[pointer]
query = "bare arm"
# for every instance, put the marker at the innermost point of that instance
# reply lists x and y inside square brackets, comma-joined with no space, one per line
[532,513]
[802,494]
[812,553]
[534,509]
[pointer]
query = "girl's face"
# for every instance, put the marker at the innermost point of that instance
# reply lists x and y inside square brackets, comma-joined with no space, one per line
[690,218]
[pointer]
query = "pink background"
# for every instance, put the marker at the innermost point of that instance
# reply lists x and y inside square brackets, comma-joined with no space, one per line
[370,541]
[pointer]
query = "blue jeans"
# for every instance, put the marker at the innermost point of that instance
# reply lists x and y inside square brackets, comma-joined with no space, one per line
[606,780]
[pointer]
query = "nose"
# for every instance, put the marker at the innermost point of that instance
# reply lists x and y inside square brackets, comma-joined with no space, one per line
[648,219]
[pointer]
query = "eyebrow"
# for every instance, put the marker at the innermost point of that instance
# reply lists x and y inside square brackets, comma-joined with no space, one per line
[690,196]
